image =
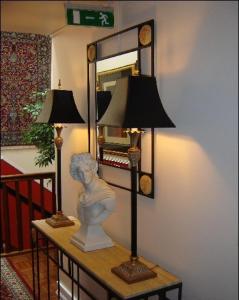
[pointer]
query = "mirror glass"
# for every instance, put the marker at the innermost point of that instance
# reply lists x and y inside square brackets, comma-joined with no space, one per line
[113,143]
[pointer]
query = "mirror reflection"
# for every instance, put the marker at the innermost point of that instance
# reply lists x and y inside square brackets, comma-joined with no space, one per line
[113,142]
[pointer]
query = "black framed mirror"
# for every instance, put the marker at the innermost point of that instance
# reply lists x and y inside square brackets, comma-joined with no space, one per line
[105,64]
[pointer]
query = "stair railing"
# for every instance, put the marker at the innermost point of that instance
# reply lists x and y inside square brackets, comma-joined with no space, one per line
[24,197]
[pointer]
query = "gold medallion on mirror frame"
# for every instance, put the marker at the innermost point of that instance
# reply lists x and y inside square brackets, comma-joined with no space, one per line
[145,35]
[91,53]
[145,184]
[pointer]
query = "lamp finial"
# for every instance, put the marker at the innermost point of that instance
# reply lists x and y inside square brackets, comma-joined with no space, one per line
[59,84]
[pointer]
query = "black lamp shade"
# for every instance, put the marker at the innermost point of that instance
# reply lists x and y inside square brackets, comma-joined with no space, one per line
[59,107]
[103,101]
[145,108]
[136,104]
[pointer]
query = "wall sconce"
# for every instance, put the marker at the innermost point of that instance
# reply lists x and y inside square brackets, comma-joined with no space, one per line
[59,107]
[135,104]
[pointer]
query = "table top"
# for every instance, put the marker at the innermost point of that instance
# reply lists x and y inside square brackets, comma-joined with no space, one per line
[100,262]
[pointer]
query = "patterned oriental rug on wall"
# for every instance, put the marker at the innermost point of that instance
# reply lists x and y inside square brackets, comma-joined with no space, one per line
[25,68]
[11,285]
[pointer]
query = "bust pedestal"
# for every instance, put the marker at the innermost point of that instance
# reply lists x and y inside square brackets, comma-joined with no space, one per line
[91,237]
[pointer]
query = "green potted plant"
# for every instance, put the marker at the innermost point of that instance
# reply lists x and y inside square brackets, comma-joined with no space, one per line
[38,134]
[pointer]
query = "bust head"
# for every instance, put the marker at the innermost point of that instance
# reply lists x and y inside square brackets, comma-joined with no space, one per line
[83,168]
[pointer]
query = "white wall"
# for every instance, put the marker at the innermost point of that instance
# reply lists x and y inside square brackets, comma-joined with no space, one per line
[22,158]
[69,63]
[190,227]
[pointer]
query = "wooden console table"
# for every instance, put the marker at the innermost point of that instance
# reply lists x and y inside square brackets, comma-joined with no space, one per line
[95,264]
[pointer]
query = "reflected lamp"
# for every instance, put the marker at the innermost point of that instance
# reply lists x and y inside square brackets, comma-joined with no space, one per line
[135,104]
[59,107]
[103,100]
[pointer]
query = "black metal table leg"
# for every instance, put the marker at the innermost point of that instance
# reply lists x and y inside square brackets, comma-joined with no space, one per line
[48,269]
[38,267]
[33,264]
[58,275]
[78,280]
[180,292]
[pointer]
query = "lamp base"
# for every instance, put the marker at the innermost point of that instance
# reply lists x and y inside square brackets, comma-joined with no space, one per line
[59,220]
[133,271]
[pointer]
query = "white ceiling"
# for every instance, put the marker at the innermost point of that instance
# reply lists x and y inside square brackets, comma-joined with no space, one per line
[42,17]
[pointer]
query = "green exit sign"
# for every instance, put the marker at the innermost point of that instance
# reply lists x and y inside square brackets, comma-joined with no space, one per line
[90,17]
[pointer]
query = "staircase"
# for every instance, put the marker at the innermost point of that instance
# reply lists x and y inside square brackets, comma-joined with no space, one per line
[24,197]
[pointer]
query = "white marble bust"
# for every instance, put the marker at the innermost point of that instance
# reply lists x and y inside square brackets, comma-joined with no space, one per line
[95,204]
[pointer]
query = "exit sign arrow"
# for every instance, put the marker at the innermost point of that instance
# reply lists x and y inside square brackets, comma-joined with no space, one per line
[90,17]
